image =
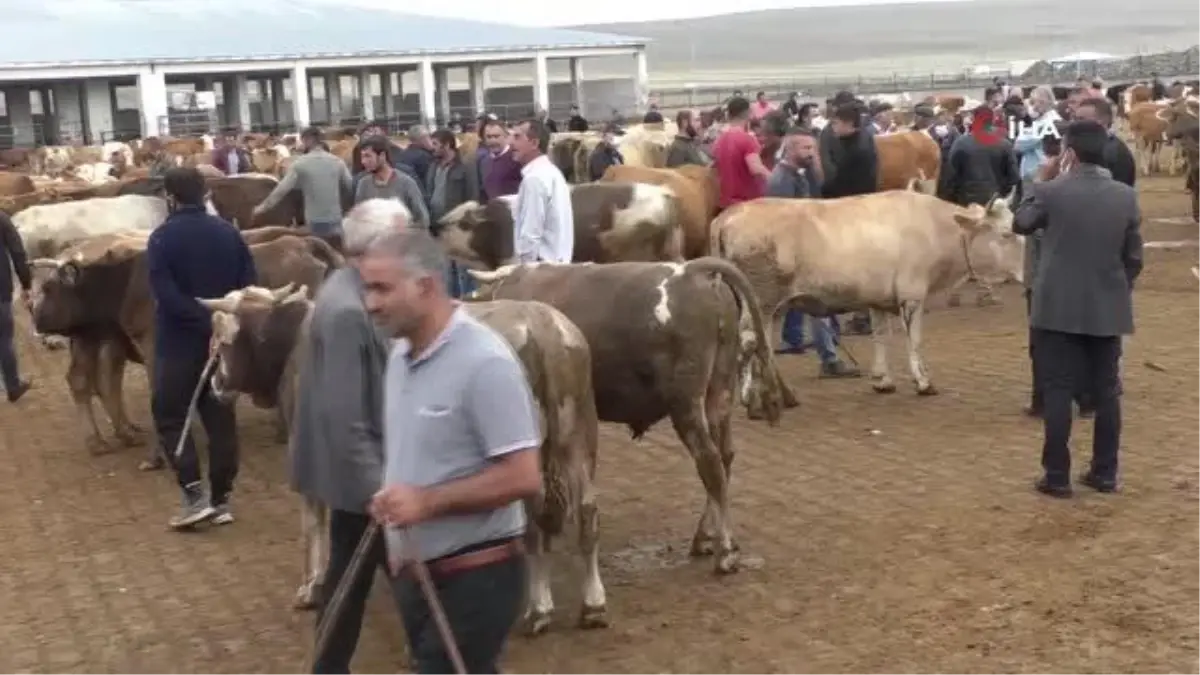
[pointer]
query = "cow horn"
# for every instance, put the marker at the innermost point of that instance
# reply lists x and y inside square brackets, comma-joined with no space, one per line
[45,264]
[487,276]
[283,291]
[991,203]
[227,304]
[300,293]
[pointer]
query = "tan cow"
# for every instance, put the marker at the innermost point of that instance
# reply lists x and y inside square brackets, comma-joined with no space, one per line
[12,184]
[665,343]
[907,156]
[613,222]
[696,189]
[1149,136]
[884,252]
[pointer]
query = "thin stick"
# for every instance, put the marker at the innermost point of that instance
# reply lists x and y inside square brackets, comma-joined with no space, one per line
[191,411]
[331,613]
[435,604]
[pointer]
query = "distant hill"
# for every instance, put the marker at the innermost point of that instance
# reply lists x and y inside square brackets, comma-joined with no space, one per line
[905,38]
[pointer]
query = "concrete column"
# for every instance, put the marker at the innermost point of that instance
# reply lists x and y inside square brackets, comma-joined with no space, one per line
[387,93]
[541,83]
[152,92]
[237,100]
[20,115]
[577,85]
[333,92]
[68,107]
[427,87]
[301,111]
[641,81]
[477,74]
[366,98]
[278,102]
[99,98]
[442,77]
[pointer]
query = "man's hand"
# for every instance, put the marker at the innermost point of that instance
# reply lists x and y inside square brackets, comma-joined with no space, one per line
[400,505]
[27,301]
[1049,169]
[257,210]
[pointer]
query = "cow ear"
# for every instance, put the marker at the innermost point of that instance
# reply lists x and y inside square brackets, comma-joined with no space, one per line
[970,218]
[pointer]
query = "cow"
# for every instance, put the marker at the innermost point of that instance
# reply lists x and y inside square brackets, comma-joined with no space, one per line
[47,229]
[613,222]
[1149,136]
[1183,126]
[907,156]
[234,198]
[886,252]
[12,184]
[97,293]
[665,342]
[257,333]
[696,189]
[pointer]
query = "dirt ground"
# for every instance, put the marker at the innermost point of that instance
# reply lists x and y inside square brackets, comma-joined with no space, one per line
[883,533]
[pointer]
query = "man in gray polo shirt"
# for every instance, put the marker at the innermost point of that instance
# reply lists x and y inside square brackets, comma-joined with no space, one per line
[460,436]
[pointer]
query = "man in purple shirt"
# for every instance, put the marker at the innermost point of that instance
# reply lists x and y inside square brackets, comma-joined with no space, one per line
[499,171]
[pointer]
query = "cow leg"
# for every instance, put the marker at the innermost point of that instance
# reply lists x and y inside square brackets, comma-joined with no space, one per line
[594,613]
[110,380]
[692,426]
[881,330]
[912,315]
[81,382]
[314,524]
[539,610]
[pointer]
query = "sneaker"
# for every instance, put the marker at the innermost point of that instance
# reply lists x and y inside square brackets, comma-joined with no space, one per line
[195,510]
[23,388]
[222,514]
[835,369]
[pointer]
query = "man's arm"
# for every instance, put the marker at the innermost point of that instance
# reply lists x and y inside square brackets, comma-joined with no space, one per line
[828,167]
[354,349]
[753,153]
[948,181]
[16,251]
[290,179]
[1031,214]
[532,199]
[1131,251]
[1124,168]
[500,408]
[414,199]
[247,273]
[167,295]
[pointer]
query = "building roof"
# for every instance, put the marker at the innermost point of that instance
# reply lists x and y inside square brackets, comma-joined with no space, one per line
[79,32]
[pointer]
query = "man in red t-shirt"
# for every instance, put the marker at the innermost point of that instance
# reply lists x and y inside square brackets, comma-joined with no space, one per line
[741,174]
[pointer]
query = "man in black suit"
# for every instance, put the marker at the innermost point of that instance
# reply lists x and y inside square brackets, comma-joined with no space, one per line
[1091,253]
[1118,158]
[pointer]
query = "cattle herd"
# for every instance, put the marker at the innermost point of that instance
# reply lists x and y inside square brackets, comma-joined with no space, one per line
[667,312]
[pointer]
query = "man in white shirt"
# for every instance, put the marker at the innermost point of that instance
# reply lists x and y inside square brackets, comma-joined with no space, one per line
[545,222]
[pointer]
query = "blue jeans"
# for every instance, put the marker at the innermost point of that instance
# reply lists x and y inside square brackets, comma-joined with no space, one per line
[825,331]
[8,355]
[458,282]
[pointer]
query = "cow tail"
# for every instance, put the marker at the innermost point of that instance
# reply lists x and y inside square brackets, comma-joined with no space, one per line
[740,285]
[555,502]
[322,251]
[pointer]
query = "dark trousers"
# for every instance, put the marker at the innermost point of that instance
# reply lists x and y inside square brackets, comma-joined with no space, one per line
[1083,396]
[174,381]
[1069,363]
[346,529]
[8,355]
[481,604]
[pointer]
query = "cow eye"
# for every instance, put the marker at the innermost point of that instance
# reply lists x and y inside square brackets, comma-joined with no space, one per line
[70,273]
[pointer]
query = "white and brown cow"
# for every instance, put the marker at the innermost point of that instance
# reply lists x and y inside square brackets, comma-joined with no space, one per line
[665,343]
[258,332]
[884,252]
[614,222]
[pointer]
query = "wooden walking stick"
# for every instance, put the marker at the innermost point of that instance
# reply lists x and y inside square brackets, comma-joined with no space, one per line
[333,611]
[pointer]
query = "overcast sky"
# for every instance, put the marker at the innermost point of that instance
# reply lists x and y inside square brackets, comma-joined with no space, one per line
[533,12]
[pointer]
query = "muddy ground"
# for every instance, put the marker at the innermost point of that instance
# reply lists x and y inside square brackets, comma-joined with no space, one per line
[917,548]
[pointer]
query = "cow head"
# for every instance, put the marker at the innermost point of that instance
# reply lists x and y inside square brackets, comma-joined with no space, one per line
[479,236]
[1181,117]
[920,183]
[85,290]
[995,217]
[254,332]
[487,283]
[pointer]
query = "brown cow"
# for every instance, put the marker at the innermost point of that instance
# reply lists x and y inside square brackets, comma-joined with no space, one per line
[613,222]
[1183,126]
[1149,136]
[907,156]
[694,186]
[12,183]
[98,292]
[665,342]
[235,197]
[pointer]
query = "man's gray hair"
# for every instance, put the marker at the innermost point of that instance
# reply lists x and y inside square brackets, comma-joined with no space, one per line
[370,220]
[419,253]
[1043,92]
[417,131]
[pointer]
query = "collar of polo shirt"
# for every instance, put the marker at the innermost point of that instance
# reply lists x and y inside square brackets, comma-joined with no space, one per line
[438,342]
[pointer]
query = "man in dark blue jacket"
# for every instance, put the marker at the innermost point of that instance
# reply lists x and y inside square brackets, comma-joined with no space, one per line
[193,255]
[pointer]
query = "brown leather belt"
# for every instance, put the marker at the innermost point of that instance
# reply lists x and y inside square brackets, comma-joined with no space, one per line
[461,562]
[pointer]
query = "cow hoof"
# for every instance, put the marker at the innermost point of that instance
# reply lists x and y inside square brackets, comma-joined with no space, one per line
[927,390]
[306,597]
[702,547]
[54,343]
[986,301]
[129,437]
[755,413]
[152,464]
[537,623]
[728,562]
[593,617]
[953,301]
[883,387]
[96,446]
